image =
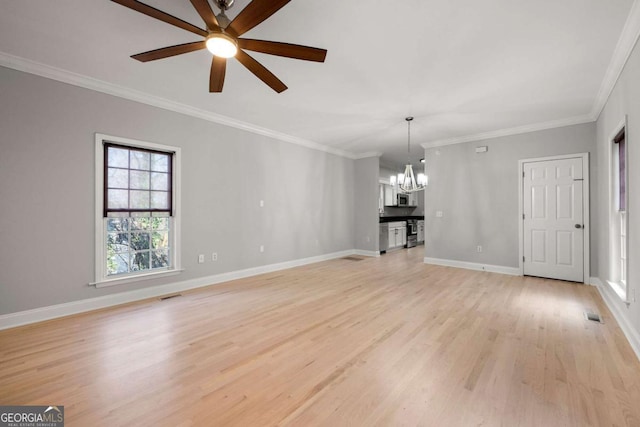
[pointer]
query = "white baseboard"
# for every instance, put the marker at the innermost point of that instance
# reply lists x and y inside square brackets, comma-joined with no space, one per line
[613,304]
[594,281]
[26,317]
[512,271]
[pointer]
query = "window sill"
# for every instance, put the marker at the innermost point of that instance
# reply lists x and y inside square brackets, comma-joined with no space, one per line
[135,278]
[619,289]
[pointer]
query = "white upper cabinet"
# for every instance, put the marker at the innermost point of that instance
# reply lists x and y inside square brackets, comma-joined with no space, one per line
[390,198]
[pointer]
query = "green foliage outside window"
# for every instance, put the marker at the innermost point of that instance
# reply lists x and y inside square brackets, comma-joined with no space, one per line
[137,244]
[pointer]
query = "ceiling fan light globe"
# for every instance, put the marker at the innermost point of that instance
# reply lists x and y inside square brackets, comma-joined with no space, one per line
[222,45]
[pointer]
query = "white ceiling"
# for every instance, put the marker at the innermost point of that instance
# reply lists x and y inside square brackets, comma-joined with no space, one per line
[462,68]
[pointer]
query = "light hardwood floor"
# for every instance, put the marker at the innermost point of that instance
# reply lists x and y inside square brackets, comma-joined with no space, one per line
[380,342]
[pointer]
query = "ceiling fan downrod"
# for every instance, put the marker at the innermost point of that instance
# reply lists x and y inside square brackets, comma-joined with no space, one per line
[224,5]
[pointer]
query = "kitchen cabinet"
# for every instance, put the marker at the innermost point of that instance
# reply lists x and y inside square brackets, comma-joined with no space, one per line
[413,198]
[421,231]
[392,238]
[386,196]
[390,198]
[397,234]
[401,236]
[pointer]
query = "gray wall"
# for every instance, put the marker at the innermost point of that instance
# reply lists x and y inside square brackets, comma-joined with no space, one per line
[47,192]
[624,100]
[366,204]
[478,193]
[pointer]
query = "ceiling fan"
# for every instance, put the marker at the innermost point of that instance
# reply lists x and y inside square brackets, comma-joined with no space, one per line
[222,39]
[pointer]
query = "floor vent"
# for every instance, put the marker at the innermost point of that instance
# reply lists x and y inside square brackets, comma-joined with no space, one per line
[593,317]
[169,297]
[352,258]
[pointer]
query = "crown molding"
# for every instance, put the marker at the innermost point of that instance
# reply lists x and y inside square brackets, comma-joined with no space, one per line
[627,41]
[624,47]
[511,131]
[75,79]
[359,156]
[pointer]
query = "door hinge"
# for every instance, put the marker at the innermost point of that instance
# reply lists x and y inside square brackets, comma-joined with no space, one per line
[522,216]
[523,174]
[522,259]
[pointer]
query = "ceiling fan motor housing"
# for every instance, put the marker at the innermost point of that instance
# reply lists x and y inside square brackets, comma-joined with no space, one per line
[223,20]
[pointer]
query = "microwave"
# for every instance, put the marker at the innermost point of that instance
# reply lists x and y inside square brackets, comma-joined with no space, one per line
[403,200]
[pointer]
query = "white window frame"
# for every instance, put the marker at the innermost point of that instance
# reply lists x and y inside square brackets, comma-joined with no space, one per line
[618,220]
[101,277]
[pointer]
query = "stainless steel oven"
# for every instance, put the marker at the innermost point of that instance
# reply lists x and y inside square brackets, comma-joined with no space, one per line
[412,233]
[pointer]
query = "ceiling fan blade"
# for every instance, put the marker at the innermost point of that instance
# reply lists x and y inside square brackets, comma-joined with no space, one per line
[218,70]
[288,50]
[260,71]
[252,15]
[166,52]
[162,16]
[205,11]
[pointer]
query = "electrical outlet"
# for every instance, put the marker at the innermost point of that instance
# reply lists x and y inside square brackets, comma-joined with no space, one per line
[368,239]
[262,203]
[201,259]
[261,248]
[214,256]
[479,248]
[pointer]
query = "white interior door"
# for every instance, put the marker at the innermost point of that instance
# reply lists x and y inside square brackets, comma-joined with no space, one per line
[554,219]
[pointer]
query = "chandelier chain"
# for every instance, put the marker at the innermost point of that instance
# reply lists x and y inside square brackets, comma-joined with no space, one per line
[409,119]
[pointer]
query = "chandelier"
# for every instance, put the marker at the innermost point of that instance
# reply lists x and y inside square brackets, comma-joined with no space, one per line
[407,181]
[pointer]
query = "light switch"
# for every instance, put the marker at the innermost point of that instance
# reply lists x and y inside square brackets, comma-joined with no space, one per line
[439,214]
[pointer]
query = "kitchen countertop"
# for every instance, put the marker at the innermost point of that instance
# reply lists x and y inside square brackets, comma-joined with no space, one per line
[384,219]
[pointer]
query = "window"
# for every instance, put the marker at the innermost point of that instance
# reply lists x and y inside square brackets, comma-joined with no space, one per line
[620,170]
[618,215]
[136,234]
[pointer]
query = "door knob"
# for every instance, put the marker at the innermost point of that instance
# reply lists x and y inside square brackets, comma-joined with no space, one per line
[578,226]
